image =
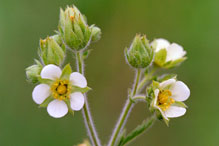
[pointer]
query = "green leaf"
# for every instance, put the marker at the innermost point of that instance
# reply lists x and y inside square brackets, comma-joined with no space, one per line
[121,138]
[78,89]
[66,72]
[46,101]
[138,130]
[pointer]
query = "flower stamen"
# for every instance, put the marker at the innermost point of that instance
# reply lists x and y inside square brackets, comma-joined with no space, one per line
[61,89]
[164,99]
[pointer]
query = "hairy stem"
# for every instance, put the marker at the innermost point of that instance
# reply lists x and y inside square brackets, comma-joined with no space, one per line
[145,79]
[85,111]
[126,110]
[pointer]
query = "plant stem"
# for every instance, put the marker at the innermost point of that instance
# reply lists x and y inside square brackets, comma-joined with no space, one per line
[85,111]
[145,79]
[126,110]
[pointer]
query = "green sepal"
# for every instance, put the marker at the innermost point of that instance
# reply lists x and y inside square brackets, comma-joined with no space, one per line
[78,89]
[86,53]
[87,37]
[66,72]
[46,101]
[180,104]
[160,57]
[161,118]
[67,101]
[166,77]
[45,81]
[171,64]
[70,37]
[155,85]
[149,96]
[95,33]
[78,31]
[166,121]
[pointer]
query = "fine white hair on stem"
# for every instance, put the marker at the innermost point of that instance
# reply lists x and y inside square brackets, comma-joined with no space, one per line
[91,130]
[90,122]
[120,119]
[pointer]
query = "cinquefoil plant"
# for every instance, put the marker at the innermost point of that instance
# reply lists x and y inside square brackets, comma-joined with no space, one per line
[62,89]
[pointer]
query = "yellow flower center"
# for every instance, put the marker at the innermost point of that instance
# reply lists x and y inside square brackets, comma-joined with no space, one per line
[61,89]
[164,99]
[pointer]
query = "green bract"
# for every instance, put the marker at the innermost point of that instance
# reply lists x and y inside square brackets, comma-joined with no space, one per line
[52,50]
[96,33]
[140,54]
[33,72]
[75,31]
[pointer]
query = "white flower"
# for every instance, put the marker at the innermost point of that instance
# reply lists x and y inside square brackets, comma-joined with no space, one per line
[165,52]
[174,51]
[59,91]
[168,98]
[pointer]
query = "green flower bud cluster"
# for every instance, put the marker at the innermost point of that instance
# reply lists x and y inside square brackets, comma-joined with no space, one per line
[75,31]
[140,54]
[52,50]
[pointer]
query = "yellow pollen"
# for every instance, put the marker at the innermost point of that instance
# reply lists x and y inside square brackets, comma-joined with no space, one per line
[164,99]
[61,89]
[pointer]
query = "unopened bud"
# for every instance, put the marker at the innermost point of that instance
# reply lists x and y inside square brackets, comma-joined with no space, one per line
[140,54]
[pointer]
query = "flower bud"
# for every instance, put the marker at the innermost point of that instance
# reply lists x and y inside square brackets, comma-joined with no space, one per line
[140,54]
[96,34]
[52,51]
[33,72]
[75,31]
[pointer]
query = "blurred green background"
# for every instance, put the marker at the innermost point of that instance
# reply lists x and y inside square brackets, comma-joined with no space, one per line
[191,23]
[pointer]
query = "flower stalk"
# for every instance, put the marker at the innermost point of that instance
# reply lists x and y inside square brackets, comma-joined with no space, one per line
[126,110]
[85,111]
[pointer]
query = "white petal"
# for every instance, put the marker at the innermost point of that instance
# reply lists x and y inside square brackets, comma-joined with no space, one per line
[174,52]
[57,108]
[40,93]
[51,72]
[161,44]
[156,92]
[77,101]
[162,113]
[180,92]
[78,79]
[167,83]
[175,111]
